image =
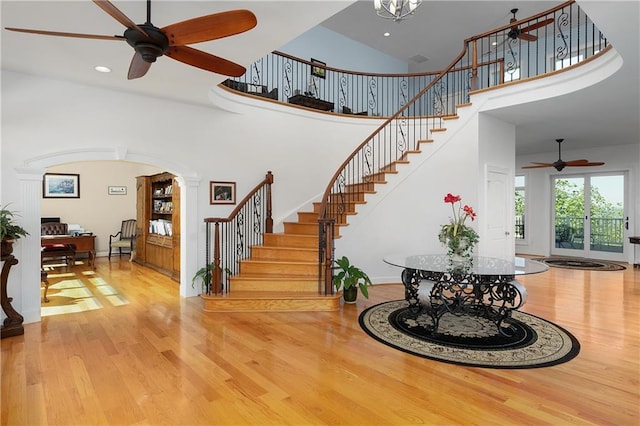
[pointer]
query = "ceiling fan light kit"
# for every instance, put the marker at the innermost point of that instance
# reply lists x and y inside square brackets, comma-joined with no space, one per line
[559,165]
[151,42]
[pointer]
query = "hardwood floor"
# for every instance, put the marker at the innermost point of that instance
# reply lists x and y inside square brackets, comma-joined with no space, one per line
[145,356]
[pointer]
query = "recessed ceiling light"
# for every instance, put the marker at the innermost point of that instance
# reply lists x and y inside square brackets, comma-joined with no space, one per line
[494,43]
[101,68]
[386,34]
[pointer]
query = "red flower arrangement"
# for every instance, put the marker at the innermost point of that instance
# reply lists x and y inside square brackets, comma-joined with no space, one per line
[456,235]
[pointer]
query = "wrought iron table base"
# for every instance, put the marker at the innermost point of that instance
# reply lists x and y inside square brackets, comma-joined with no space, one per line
[489,296]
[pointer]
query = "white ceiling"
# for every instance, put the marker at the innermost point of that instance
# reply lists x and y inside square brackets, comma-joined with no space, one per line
[606,114]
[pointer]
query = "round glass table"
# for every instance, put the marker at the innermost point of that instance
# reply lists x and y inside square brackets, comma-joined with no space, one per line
[482,286]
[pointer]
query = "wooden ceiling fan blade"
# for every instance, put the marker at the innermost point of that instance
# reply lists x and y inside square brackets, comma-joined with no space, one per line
[210,27]
[205,61]
[138,67]
[577,162]
[587,164]
[116,14]
[538,166]
[63,34]
[542,164]
[537,25]
[527,37]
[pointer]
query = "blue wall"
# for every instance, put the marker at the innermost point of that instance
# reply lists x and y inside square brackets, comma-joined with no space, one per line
[342,52]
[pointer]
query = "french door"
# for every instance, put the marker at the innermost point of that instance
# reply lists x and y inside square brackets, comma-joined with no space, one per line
[589,215]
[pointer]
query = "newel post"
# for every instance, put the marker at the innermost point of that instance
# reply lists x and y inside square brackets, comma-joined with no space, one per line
[474,66]
[269,218]
[216,274]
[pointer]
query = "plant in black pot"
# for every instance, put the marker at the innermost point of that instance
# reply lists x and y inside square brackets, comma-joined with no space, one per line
[349,278]
[9,230]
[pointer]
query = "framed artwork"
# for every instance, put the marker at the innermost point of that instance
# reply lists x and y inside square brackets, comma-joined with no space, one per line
[61,185]
[222,192]
[319,69]
[117,190]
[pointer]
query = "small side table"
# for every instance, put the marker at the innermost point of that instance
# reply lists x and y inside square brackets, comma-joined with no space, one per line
[635,240]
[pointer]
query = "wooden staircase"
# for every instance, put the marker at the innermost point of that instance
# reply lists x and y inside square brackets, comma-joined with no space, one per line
[282,273]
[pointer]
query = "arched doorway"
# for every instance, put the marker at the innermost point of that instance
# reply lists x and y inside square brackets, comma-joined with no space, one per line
[30,193]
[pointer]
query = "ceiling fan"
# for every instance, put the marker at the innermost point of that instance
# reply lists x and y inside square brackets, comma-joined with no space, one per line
[560,164]
[516,33]
[151,42]
[522,33]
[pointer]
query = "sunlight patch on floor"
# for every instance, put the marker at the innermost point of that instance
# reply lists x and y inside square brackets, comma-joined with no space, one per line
[77,291]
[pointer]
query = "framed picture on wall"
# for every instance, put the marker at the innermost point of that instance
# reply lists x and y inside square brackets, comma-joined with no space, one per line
[61,185]
[318,69]
[117,190]
[222,192]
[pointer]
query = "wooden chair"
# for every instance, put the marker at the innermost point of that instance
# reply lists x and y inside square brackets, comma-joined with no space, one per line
[56,251]
[123,238]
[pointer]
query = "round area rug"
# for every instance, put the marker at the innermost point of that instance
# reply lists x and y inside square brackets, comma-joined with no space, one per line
[470,341]
[580,263]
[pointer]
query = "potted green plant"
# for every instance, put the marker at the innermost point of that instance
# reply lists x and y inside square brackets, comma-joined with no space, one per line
[9,230]
[204,275]
[349,279]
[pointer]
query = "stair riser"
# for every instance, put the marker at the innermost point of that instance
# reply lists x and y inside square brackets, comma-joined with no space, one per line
[289,240]
[309,286]
[268,269]
[284,254]
[348,197]
[307,217]
[271,305]
[348,208]
[301,228]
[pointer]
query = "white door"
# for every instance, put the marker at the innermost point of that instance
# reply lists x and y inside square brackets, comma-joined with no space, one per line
[499,241]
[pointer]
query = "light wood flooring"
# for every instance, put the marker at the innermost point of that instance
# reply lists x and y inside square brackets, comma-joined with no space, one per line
[142,355]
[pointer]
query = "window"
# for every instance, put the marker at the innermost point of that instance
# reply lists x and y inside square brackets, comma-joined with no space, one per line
[520,207]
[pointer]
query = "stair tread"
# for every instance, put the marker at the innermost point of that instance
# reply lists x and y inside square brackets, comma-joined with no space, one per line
[262,277]
[309,249]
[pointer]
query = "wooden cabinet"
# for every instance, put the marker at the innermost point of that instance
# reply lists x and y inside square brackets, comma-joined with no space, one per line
[158,223]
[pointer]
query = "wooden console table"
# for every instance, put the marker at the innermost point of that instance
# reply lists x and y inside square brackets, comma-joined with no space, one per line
[310,102]
[83,244]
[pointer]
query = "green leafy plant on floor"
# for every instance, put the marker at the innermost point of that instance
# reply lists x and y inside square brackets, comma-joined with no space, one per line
[350,275]
[204,275]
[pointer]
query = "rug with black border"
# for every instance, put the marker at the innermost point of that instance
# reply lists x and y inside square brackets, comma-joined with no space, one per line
[469,340]
[581,263]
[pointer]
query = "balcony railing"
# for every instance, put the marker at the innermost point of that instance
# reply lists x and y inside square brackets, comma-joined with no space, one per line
[606,234]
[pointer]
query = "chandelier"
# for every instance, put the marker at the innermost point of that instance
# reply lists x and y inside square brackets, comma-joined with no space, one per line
[396,9]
